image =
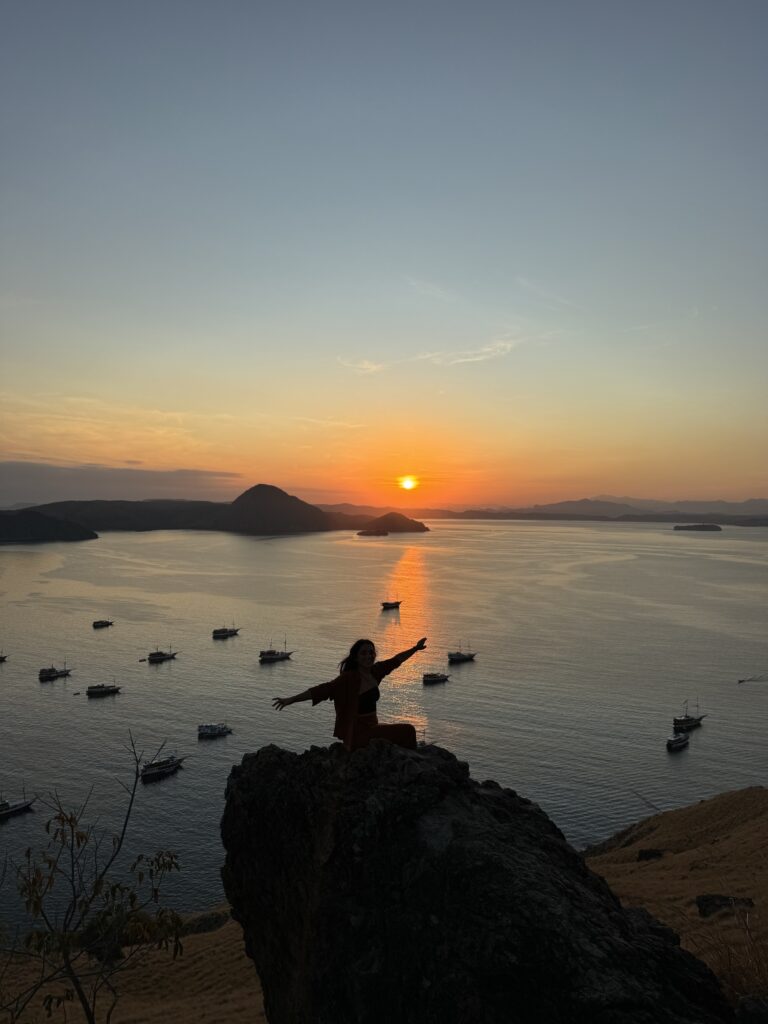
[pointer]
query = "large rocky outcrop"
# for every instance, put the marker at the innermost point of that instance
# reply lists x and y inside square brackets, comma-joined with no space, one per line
[387,886]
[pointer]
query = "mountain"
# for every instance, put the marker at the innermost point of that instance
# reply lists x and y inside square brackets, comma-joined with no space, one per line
[30,527]
[396,522]
[261,510]
[265,509]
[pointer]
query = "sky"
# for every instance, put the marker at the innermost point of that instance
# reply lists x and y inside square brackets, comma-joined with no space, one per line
[515,249]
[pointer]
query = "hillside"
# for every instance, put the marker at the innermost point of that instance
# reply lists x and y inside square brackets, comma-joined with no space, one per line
[717,846]
[31,527]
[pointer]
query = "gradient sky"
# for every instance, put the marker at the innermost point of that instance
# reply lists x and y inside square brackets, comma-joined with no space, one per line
[518,249]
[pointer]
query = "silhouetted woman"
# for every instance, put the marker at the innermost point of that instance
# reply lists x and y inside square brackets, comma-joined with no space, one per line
[354,693]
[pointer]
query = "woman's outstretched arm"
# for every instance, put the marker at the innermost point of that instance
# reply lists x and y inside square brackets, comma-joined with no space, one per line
[390,664]
[282,702]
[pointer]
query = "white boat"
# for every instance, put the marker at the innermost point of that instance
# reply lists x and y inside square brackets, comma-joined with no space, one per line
[686,722]
[10,807]
[271,655]
[212,730]
[389,605]
[225,632]
[434,677]
[156,656]
[457,657]
[102,623]
[678,741]
[160,767]
[47,675]
[102,690]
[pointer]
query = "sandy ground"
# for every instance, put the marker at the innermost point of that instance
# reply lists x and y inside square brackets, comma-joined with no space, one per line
[213,982]
[716,846]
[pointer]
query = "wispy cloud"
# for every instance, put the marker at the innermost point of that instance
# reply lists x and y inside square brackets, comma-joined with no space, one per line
[494,350]
[431,289]
[326,423]
[543,293]
[363,366]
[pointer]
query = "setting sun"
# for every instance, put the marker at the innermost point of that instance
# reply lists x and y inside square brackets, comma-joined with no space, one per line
[408,483]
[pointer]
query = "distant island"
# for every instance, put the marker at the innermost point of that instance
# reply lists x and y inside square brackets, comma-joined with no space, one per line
[707,527]
[262,510]
[753,512]
[265,510]
[31,527]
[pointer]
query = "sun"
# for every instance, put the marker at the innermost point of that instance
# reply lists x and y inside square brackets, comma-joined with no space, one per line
[408,483]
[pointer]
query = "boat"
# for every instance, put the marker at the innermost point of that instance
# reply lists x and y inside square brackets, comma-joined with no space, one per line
[686,722]
[159,767]
[270,656]
[213,730]
[434,677]
[457,657]
[102,623]
[3,657]
[225,632]
[102,690]
[388,605]
[678,741]
[156,656]
[10,807]
[47,675]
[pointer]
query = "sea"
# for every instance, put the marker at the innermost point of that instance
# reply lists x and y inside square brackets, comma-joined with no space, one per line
[589,638]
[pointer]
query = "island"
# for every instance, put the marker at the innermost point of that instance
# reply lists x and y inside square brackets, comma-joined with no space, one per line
[706,527]
[262,510]
[30,527]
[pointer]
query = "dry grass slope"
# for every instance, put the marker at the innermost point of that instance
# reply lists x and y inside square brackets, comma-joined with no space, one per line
[716,846]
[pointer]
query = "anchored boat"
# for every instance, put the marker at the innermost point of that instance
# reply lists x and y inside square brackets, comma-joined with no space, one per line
[159,767]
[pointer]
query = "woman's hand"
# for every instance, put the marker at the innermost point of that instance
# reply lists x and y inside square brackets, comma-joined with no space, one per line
[421,644]
[278,703]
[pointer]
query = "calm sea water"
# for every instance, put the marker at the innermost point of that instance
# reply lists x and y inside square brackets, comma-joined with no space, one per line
[589,639]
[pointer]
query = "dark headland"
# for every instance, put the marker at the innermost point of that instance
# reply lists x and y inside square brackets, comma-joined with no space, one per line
[261,510]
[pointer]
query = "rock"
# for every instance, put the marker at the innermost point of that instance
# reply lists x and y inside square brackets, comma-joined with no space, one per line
[387,886]
[711,903]
[752,1011]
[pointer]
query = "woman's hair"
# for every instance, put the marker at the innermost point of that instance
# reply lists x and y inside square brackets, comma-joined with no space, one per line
[350,662]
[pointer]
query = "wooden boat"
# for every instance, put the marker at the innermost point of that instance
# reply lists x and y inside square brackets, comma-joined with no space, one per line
[159,767]
[47,675]
[102,623]
[10,807]
[102,690]
[686,722]
[225,632]
[271,655]
[457,657]
[213,730]
[678,741]
[430,678]
[156,656]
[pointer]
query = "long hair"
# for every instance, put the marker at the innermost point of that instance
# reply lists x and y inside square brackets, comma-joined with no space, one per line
[350,662]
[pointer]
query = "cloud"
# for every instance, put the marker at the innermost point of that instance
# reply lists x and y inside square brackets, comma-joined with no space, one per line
[326,423]
[40,482]
[542,292]
[430,289]
[494,350]
[364,366]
